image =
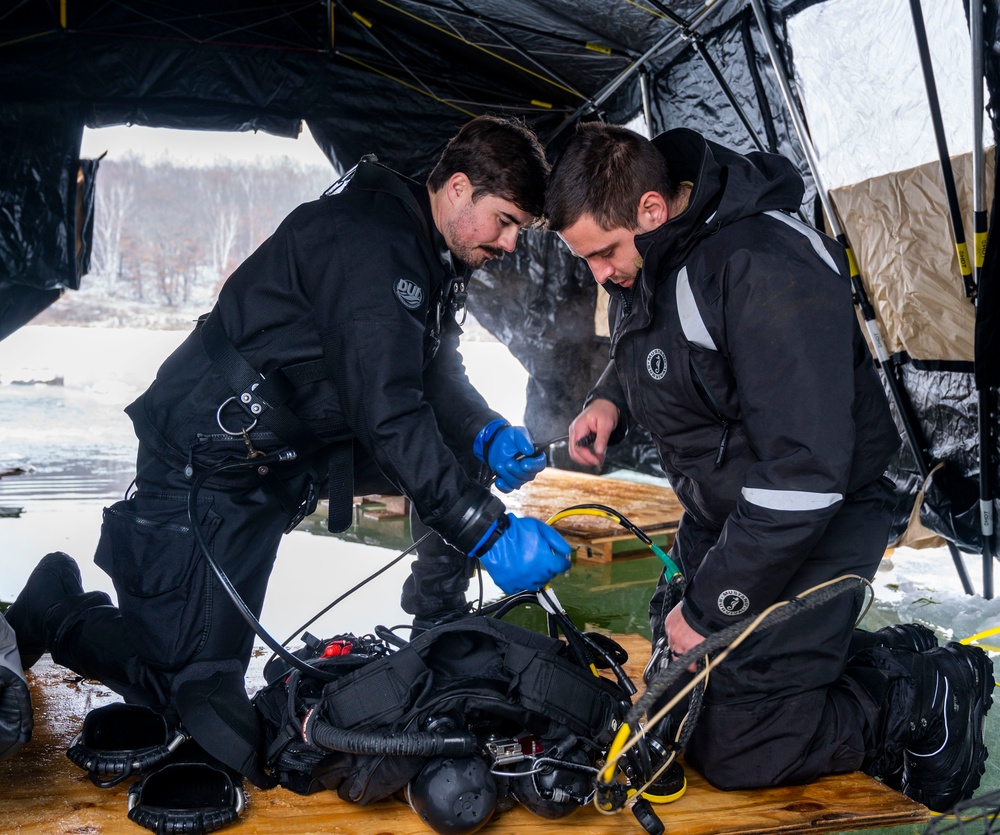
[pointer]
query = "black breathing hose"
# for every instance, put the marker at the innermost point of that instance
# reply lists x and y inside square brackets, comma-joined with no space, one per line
[413,744]
[223,578]
[278,649]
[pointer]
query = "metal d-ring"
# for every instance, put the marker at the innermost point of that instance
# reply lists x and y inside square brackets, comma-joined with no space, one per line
[218,419]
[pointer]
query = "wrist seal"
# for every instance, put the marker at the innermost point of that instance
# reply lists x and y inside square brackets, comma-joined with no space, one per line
[493,533]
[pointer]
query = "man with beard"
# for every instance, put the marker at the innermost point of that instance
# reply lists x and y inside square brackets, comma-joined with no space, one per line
[329,365]
[734,342]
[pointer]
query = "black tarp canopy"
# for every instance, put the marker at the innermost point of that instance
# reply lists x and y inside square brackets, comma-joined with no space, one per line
[397,78]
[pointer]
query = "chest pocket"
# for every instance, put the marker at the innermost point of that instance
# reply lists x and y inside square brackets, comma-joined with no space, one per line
[713,380]
[668,397]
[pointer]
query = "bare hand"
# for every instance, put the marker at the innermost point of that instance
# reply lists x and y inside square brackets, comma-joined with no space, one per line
[590,430]
[680,636]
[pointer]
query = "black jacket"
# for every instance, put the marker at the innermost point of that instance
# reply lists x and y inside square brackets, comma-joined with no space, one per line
[358,280]
[738,348]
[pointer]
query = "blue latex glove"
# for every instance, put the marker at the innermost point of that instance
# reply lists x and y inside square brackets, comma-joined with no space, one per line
[497,444]
[526,556]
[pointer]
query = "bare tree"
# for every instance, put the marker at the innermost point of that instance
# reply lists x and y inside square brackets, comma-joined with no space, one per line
[169,234]
[115,199]
[220,201]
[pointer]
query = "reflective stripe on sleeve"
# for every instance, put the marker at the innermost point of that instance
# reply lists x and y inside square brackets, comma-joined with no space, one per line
[790,499]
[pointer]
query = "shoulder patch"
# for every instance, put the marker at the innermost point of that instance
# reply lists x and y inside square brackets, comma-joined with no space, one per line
[733,602]
[409,293]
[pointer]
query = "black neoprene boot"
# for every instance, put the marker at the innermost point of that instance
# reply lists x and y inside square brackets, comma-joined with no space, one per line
[945,754]
[911,636]
[55,579]
[925,717]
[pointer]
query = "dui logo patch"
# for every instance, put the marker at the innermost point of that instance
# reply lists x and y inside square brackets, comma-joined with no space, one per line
[656,364]
[409,293]
[732,602]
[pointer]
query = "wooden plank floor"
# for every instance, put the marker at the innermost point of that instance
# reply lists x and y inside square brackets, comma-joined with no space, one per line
[43,793]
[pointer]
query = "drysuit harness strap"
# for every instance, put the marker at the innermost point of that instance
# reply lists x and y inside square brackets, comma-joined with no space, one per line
[261,398]
[265,399]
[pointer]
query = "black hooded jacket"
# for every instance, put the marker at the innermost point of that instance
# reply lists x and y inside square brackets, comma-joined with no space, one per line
[359,278]
[738,348]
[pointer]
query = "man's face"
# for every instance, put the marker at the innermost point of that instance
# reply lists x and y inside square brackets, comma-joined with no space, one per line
[611,255]
[478,230]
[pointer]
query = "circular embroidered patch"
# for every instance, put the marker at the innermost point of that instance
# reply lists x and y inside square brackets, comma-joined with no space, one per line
[732,602]
[656,364]
[409,293]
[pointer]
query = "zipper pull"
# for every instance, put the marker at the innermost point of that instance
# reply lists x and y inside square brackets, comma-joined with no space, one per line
[723,443]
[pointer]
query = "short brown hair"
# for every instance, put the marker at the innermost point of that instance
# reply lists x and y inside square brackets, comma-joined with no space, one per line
[502,157]
[603,171]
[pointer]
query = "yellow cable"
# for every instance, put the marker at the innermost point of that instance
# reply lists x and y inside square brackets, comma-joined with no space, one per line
[646,9]
[620,745]
[615,754]
[405,84]
[28,37]
[588,511]
[986,633]
[467,42]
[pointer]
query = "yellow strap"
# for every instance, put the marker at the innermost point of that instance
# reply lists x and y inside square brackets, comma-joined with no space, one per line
[405,84]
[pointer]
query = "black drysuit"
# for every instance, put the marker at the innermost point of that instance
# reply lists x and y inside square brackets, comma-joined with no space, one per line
[345,319]
[739,350]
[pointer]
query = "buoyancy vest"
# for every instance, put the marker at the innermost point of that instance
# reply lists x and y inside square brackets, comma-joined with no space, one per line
[479,675]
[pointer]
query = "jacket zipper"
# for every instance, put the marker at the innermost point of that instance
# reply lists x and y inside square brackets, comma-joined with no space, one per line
[627,296]
[720,456]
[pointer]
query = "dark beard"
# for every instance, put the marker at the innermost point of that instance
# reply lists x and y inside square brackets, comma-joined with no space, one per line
[492,252]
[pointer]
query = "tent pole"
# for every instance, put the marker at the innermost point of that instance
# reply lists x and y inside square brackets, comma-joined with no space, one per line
[958,228]
[884,362]
[728,92]
[713,68]
[647,109]
[968,278]
[979,251]
[610,88]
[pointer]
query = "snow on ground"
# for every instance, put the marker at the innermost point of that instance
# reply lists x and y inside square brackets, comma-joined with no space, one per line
[923,586]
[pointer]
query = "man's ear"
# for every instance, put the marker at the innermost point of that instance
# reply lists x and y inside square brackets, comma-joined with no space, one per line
[458,187]
[653,211]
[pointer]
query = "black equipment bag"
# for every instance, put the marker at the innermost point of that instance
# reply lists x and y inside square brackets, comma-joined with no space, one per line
[480,675]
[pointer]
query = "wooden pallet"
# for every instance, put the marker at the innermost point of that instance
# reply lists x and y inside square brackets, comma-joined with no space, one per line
[42,793]
[595,539]
[652,508]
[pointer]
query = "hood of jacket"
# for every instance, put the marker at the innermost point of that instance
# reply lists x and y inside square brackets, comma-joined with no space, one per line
[727,186]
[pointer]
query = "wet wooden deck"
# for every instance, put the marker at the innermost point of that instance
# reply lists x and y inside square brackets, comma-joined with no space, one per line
[43,793]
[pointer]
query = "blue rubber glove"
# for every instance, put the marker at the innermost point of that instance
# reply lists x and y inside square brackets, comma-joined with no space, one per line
[526,556]
[497,444]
